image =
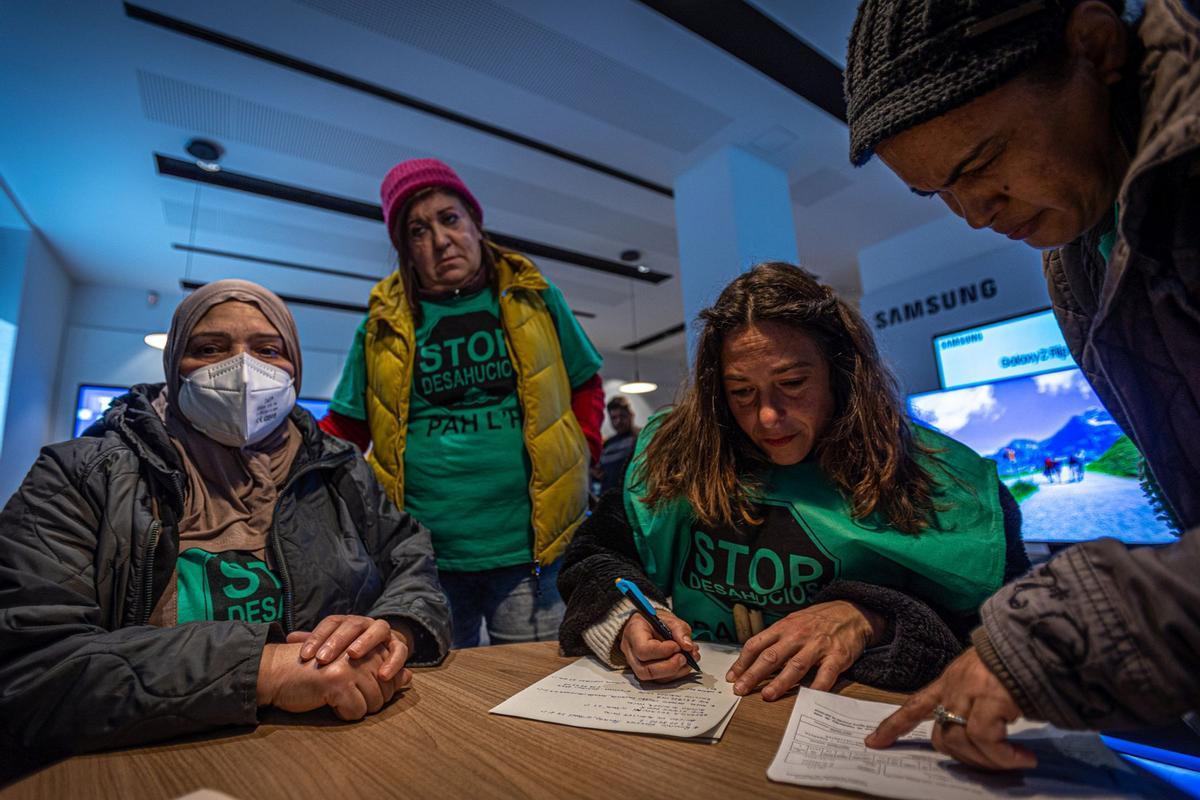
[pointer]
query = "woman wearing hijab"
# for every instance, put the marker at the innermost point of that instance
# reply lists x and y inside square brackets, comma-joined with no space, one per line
[205,550]
[477,393]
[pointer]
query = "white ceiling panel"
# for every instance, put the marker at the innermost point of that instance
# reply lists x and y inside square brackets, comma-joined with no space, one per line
[89,95]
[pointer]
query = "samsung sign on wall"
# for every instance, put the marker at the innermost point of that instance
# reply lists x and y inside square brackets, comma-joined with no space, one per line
[907,315]
[936,303]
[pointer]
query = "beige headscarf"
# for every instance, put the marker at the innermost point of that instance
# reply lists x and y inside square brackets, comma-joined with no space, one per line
[231,492]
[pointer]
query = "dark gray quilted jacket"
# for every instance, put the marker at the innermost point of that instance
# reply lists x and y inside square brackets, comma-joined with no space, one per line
[1105,636]
[88,543]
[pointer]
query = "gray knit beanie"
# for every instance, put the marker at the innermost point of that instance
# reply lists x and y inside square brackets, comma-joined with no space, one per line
[912,60]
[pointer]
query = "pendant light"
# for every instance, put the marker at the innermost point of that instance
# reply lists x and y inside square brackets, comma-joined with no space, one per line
[637,385]
[207,154]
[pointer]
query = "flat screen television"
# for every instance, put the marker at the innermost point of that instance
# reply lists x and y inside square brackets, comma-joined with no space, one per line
[1026,344]
[1065,459]
[314,406]
[91,401]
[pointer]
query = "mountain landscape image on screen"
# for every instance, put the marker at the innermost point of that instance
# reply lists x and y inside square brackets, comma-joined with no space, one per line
[1089,434]
[1058,450]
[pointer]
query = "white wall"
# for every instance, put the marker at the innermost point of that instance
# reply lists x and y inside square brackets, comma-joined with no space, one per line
[905,274]
[30,419]
[14,247]
[926,248]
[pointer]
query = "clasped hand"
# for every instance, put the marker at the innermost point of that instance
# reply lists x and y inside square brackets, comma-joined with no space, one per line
[350,663]
[827,636]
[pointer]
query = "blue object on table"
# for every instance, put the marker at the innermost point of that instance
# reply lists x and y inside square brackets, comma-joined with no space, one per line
[1177,744]
[1185,780]
[1171,752]
[644,607]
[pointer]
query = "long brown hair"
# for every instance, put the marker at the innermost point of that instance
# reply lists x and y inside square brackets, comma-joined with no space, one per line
[408,273]
[700,452]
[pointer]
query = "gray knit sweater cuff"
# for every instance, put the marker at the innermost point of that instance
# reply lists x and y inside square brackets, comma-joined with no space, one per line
[604,637]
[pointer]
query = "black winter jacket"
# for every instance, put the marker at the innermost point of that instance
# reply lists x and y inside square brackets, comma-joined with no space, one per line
[89,541]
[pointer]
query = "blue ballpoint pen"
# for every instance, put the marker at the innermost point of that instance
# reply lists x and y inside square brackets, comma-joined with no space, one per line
[630,590]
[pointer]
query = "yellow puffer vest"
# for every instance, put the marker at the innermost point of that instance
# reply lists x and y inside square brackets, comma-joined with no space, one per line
[553,438]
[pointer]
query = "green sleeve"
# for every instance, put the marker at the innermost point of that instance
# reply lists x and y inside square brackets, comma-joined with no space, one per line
[580,356]
[349,398]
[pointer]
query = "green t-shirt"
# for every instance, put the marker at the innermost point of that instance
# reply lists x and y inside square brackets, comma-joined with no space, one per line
[229,586]
[808,539]
[1109,240]
[466,472]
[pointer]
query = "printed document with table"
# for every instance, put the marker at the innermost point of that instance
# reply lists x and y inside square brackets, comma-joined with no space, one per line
[823,746]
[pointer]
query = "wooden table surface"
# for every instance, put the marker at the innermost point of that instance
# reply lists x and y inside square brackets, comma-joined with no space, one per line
[438,741]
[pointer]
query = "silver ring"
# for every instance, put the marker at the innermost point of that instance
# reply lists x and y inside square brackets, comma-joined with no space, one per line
[943,716]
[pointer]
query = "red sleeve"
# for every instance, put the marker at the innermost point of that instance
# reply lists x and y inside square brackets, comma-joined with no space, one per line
[587,401]
[348,428]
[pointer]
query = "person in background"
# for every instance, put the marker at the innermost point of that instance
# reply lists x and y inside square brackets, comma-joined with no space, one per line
[477,397]
[788,503]
[1050,469]
[1075,462]
[1061,125]
[618,448]
[205,550]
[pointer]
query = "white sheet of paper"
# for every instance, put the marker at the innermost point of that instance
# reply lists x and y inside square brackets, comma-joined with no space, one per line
[587,694]
[823,746]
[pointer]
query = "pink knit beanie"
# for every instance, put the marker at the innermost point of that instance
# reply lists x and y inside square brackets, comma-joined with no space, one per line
[409,177]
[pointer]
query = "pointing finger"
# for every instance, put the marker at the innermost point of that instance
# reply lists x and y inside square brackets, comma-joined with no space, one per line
[918,708]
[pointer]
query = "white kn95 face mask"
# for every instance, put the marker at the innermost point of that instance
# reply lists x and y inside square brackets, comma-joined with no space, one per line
[238,401]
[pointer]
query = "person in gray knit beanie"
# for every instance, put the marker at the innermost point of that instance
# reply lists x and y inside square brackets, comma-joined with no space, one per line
[1060,124]
[948,92]
[912,60]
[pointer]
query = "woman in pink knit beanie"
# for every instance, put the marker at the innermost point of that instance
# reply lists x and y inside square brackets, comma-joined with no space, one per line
[477,396]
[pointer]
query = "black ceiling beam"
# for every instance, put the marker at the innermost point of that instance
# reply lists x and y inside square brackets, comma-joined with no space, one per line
[188,170]
[533,248]
[191,286]
[666,333]
[274,262]
[330,305]
[381,92]
[751,36]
